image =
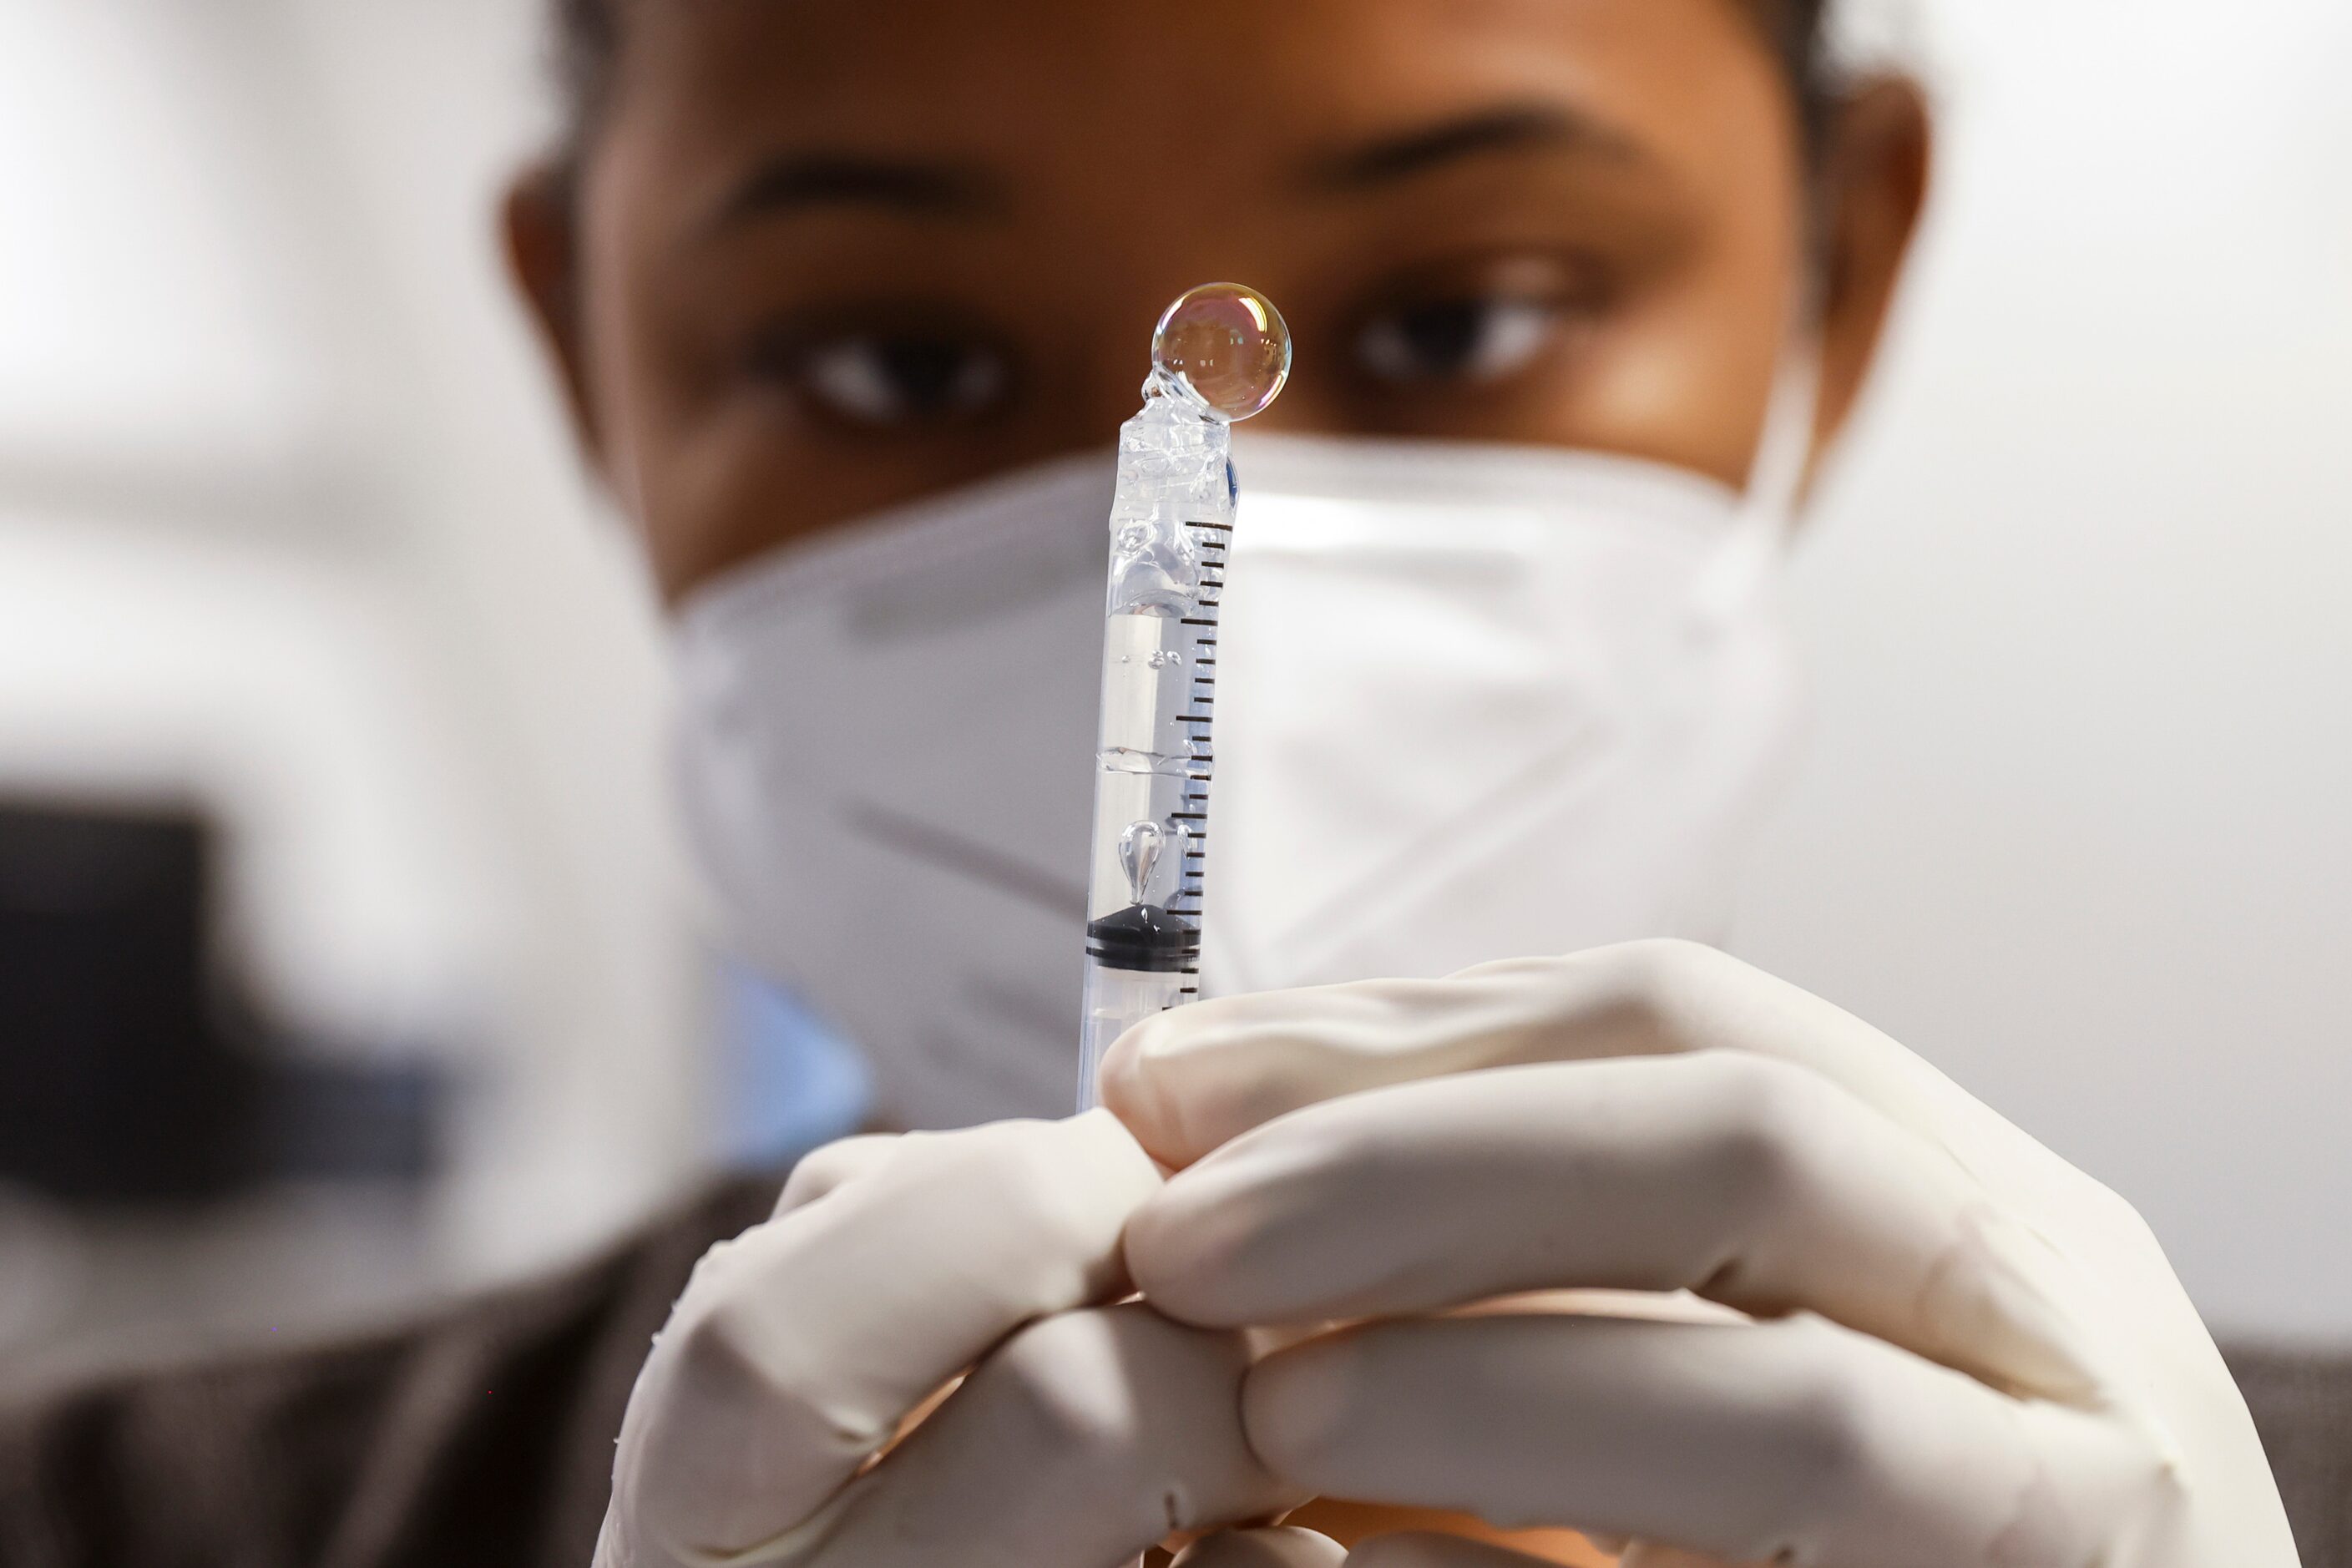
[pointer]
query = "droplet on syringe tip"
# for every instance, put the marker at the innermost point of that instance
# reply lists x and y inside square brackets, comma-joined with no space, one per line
[1226,345]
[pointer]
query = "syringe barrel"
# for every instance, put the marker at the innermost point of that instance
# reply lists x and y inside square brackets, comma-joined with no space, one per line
[1117,1000]
[1155,751]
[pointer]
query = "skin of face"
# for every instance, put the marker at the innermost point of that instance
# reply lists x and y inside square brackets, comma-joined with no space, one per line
[825,257]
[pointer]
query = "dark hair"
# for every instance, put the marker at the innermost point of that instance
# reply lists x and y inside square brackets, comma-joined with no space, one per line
[588,47]
[1801,30]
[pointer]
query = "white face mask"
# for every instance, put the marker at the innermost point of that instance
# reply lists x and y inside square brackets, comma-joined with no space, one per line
[1484,702]
[1475,702]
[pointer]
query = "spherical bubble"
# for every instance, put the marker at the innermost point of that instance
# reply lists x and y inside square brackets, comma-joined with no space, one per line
[1228,345]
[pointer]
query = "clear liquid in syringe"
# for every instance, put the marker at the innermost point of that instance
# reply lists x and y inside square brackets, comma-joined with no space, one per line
[1158,757]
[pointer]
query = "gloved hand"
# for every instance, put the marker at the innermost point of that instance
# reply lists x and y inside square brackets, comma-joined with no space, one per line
[800,1350]
[1949,1349]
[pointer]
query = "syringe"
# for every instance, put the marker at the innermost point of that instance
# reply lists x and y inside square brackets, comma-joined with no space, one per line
[1221,353]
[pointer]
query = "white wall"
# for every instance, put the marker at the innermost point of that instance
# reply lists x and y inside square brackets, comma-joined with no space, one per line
[2078,822]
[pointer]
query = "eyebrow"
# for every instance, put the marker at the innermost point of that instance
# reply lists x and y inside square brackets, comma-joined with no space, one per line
[804,181]
[1505,129]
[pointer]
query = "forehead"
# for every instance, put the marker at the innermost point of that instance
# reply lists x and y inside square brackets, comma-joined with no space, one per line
[1119,89]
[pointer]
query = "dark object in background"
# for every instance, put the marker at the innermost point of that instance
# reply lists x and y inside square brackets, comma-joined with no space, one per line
[132,1067]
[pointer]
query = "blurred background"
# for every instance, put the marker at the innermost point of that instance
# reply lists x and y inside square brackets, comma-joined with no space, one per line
[347,958]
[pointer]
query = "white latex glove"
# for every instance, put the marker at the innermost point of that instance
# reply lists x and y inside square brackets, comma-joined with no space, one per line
[1964,1353]
[894,1263]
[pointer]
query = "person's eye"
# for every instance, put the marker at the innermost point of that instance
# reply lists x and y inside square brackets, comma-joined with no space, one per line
[892,380]
[1477,324]
[1473,340]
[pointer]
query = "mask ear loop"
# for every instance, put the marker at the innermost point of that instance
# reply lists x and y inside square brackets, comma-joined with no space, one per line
[1776,481]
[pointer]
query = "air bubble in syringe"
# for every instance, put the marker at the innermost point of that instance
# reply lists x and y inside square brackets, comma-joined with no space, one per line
[1126,760]
[1139,855]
